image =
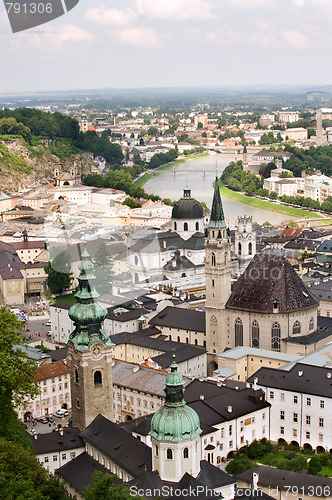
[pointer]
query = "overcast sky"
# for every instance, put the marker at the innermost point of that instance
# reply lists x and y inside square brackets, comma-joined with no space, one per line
[155,43]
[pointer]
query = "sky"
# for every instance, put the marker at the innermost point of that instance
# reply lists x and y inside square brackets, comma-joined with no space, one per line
[171,43]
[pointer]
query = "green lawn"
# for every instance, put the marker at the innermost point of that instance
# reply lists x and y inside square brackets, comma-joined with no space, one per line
[67,299]
[255,202]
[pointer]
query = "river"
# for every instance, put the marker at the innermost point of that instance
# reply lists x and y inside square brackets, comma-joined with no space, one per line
[170,184]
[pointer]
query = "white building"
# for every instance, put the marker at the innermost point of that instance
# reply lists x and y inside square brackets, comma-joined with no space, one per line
[301,404]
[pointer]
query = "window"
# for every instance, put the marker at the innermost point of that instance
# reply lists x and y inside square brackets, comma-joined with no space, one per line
[271,394]
[231,444]
[213,259]
[156,451]
[46,460]
[250,248]
[197,226]
[320,437]
[138,402]
[297,328]
[295,400]
[311,324]
[72,455]
[55,458]
[263,416]
[169,454]
[76,376]
[307,434]
[308,401]
[282,396]
[295,417]
[175,226]
[222,432]
[320,422]
[255,334]
[275,337]
[63,456]
[282,430]
[282,415]
[240,249]
[238,332]
[295,433]
[185,226]
[97,378]
[308,419]
[230,430]
[321,403]
[186,453]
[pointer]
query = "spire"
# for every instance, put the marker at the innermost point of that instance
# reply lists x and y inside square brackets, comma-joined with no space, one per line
[174,386]
[217,218]
[87,314]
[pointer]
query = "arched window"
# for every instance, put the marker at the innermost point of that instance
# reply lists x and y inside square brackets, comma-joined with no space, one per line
[250,248]
[255,334]
[238,332]
[175,226]
[297,328]
[239,249]
[136,260]
[213,259]
[275,337]
[185,226]
[157,451]
[169,454]
[186,453]
[197,226]
[311,324]
[195,341]
[97,378]
[225,258]
[76,376]
[179,339]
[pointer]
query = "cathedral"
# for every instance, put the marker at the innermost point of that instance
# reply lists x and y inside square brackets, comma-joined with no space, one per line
[265,307]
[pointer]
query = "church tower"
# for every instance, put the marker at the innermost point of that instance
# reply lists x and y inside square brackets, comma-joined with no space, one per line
[245,159]
[90,353]
[175,431]
[217,275]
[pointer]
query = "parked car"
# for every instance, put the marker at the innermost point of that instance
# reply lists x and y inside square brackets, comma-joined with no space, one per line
[50,419]
[42,420]
[61,413]
[49,323]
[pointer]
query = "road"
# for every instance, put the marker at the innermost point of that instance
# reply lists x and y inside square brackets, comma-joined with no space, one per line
[40,428]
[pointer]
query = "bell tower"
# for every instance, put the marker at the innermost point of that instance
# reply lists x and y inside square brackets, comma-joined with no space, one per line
[217,276]
[90,353]
[175,431]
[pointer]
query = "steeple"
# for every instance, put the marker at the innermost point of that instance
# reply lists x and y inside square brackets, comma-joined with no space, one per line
[217,218]
[175,431]
[87,314]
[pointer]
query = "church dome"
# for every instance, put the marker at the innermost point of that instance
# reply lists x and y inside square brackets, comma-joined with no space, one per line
[187,207]
[175,421]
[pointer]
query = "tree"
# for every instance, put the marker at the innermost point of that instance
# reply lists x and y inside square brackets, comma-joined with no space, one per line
[273,195]
[199,125]
[240,463]
[22,477]
[16,376]
[58,270]
[314,466]
[107,487]
[131,203]
[153,131]
[103,271]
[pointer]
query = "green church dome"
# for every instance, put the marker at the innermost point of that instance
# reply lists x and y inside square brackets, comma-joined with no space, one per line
[175,421]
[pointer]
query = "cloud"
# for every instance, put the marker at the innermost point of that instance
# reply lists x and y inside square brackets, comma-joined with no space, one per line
[296,40]
[110,17]
[61,35]
[175,10]
[143,37]
[252,4]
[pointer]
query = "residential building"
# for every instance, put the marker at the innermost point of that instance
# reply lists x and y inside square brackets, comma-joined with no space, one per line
[301,403]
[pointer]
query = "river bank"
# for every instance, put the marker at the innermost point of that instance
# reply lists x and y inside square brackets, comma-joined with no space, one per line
[266,205]
[149,175]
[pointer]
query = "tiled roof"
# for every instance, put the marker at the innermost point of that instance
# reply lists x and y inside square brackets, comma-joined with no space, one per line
[179,318]
[120,446]
[50,370]
[54,441]
[139,378]
[270,278]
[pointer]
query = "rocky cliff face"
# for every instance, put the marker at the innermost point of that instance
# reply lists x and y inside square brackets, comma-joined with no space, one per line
[22,165]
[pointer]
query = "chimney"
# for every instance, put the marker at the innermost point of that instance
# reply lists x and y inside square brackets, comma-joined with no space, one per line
[229,409]
[61,431]
[35,436]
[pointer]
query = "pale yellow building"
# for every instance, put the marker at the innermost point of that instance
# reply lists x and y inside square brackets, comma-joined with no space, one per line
[241,362]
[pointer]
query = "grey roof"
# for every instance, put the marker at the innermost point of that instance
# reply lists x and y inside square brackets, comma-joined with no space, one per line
[270,278]
[179,318]
[303,378]
[139,378]
[324,330]
[53,441]
[182,353]
[116,443]
[323,289]
[326,246]
[126,316]
[272,478]
[78,472]
[187,207]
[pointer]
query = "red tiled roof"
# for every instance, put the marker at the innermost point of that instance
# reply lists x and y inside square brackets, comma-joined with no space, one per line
[50,370]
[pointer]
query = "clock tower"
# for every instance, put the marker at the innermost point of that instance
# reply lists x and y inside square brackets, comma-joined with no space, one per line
[90,353]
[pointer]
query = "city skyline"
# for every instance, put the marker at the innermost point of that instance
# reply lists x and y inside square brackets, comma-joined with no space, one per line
[181,43]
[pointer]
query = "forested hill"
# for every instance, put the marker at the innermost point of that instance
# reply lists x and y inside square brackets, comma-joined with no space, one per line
[32,142]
